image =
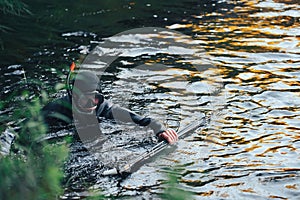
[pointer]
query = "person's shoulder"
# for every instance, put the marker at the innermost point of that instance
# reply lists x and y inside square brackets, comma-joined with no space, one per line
[58,112]
[59,103]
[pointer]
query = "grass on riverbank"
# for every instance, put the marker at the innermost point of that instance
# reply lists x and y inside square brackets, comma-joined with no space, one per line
[33,170]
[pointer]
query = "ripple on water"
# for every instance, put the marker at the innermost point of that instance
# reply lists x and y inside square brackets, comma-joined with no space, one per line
[250,150]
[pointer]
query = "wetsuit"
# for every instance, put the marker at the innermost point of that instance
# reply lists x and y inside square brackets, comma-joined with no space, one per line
[59,112]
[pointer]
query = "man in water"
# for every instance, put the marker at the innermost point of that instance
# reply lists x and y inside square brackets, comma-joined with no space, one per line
[89,105]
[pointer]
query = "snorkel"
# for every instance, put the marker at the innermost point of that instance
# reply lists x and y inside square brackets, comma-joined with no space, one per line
[68,83]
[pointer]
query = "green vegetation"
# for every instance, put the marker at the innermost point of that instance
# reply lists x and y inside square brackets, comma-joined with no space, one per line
[172,190]
[14,7]
[34,170]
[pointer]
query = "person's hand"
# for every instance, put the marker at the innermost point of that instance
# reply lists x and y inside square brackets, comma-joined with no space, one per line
[169,135]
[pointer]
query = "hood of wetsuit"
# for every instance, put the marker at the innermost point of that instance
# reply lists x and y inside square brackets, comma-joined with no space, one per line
[86,82]
[86,92]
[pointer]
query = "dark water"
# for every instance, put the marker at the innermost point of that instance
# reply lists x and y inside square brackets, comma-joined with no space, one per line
[250,150]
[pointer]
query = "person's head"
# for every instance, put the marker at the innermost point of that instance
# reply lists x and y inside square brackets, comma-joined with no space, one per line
[86,92]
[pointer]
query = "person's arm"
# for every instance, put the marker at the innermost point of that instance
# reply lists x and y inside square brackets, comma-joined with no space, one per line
[116,112]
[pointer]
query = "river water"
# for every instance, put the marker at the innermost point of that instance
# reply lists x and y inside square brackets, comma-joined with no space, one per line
[250,91]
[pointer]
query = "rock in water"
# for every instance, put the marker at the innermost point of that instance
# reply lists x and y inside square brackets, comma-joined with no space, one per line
[6,139]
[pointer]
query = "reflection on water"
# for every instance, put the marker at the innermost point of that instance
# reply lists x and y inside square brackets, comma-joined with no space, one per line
[257,152]
[251,148]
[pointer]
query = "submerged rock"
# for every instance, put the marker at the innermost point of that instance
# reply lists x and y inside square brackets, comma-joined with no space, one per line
[6,140]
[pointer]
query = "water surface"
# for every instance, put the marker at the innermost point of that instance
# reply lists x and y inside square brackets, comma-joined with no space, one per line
[250,150]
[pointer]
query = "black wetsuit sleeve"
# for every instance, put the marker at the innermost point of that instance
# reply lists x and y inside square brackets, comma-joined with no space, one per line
[110,111]
[58,112]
